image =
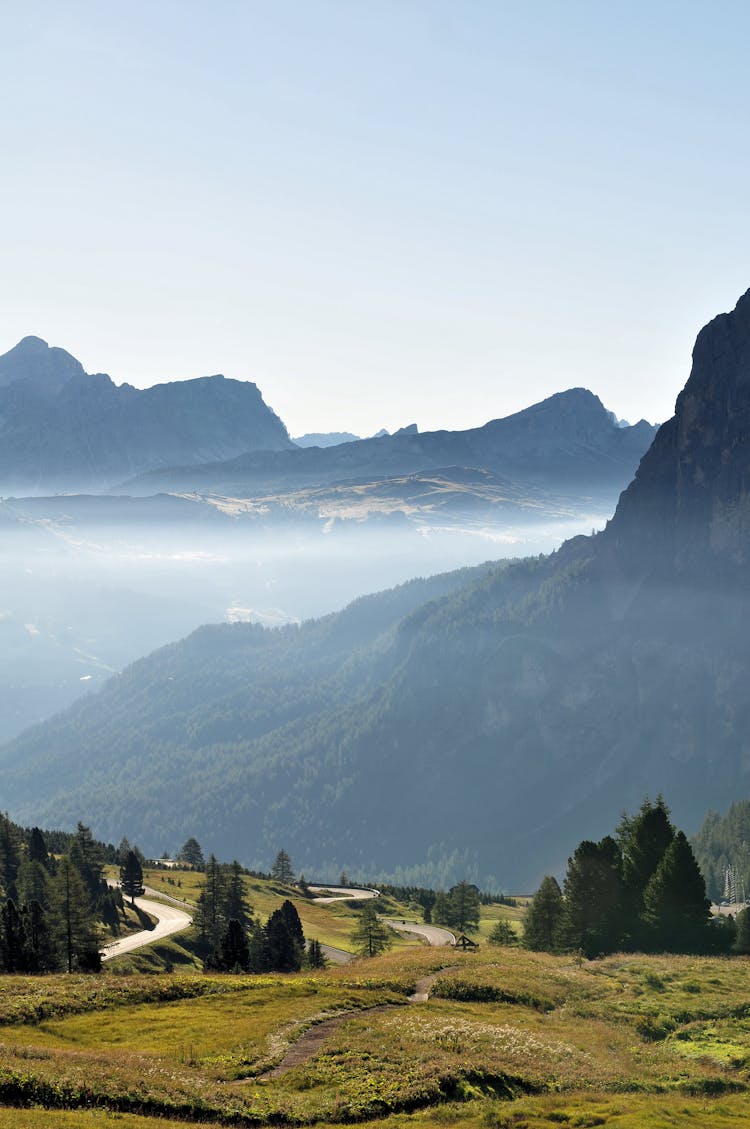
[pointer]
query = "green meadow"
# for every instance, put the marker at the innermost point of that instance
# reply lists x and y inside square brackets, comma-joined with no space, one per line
[507,1038]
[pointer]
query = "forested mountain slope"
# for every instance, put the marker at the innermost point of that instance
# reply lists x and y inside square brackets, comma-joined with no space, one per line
[479,724]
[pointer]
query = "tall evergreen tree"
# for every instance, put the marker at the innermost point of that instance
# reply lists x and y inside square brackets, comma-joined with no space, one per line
[192,854]
[315,955]
[73,919]
[38,848]
[131,877]
[12,941]
[294,925]
[88,858]
[236,904]
[211,919]
[282,869]
[233,953]
[544,918]
[370,936]
[10,856]
[40,954]
[594,898]
[33,883]
[675,907]
[463,907]
[283,951]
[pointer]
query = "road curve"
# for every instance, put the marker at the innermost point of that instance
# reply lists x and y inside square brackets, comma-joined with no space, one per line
[343,894]
[433,934]
[170,919]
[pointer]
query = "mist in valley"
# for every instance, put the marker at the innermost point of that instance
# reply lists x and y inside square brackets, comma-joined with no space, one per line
[84,595]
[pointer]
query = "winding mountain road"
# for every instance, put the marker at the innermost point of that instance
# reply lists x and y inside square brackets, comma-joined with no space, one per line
[342,894]
[169,919]
[432,934]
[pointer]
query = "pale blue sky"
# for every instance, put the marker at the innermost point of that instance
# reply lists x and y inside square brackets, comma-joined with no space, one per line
[379,211]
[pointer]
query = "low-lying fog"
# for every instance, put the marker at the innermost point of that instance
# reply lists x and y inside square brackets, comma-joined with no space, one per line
[79,602]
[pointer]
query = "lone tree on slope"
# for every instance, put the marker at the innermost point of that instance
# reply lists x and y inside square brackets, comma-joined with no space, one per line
[371,936]
[282,869]
[131,877]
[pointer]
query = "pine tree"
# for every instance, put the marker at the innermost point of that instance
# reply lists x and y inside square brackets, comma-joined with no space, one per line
[315,956]
[38,848]
[73,919]
[594,898]
[211,920]
[88,858]
[503,933]
[283,951]
[294,925]
[257,949]
[192,854]
[463,907]
[236,905]
[234,951]
[441,911]
[675,907]
[131,877]
[370,936]
[282,869]
[33,883]
[12,946]
[39,942]
[544,918]
[10,857]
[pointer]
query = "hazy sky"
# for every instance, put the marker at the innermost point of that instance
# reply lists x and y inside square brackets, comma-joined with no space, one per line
[381,212]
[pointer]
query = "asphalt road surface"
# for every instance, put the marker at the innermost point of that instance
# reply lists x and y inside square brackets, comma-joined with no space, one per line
[433,934]
[170,919]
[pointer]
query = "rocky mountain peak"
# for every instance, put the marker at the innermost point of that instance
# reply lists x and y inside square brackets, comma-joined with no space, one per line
[47,367]
[690,499]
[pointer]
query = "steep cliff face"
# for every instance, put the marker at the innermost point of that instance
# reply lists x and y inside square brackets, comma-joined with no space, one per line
[689,504]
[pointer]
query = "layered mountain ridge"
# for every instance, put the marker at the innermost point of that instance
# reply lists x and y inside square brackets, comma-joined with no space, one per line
[569,439]
[480,728]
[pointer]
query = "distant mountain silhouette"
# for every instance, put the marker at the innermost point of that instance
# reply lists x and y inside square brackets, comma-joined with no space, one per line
[324,438]
[61,428]
[569,441]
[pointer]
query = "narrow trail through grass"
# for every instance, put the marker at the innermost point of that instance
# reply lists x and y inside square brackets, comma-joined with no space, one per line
[311,1041]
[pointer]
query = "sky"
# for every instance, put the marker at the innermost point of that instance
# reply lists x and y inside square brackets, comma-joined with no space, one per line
[381,212]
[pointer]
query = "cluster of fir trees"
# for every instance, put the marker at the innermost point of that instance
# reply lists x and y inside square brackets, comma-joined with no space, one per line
[231,939]
[458,909]
[639,890]
[51,908]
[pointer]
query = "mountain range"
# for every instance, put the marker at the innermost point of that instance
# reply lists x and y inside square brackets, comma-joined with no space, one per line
[479,723]
[568,442]
[64,429]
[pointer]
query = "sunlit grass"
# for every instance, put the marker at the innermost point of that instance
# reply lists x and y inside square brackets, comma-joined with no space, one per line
[508,1038]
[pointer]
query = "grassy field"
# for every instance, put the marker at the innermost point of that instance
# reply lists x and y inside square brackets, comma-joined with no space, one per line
[507,1038]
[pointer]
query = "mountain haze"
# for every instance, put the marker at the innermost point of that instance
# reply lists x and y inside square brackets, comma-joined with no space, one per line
[569,439]
[478,724]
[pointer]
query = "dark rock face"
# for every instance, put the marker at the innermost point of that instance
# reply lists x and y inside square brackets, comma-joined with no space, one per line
[690,498]
[61,428]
